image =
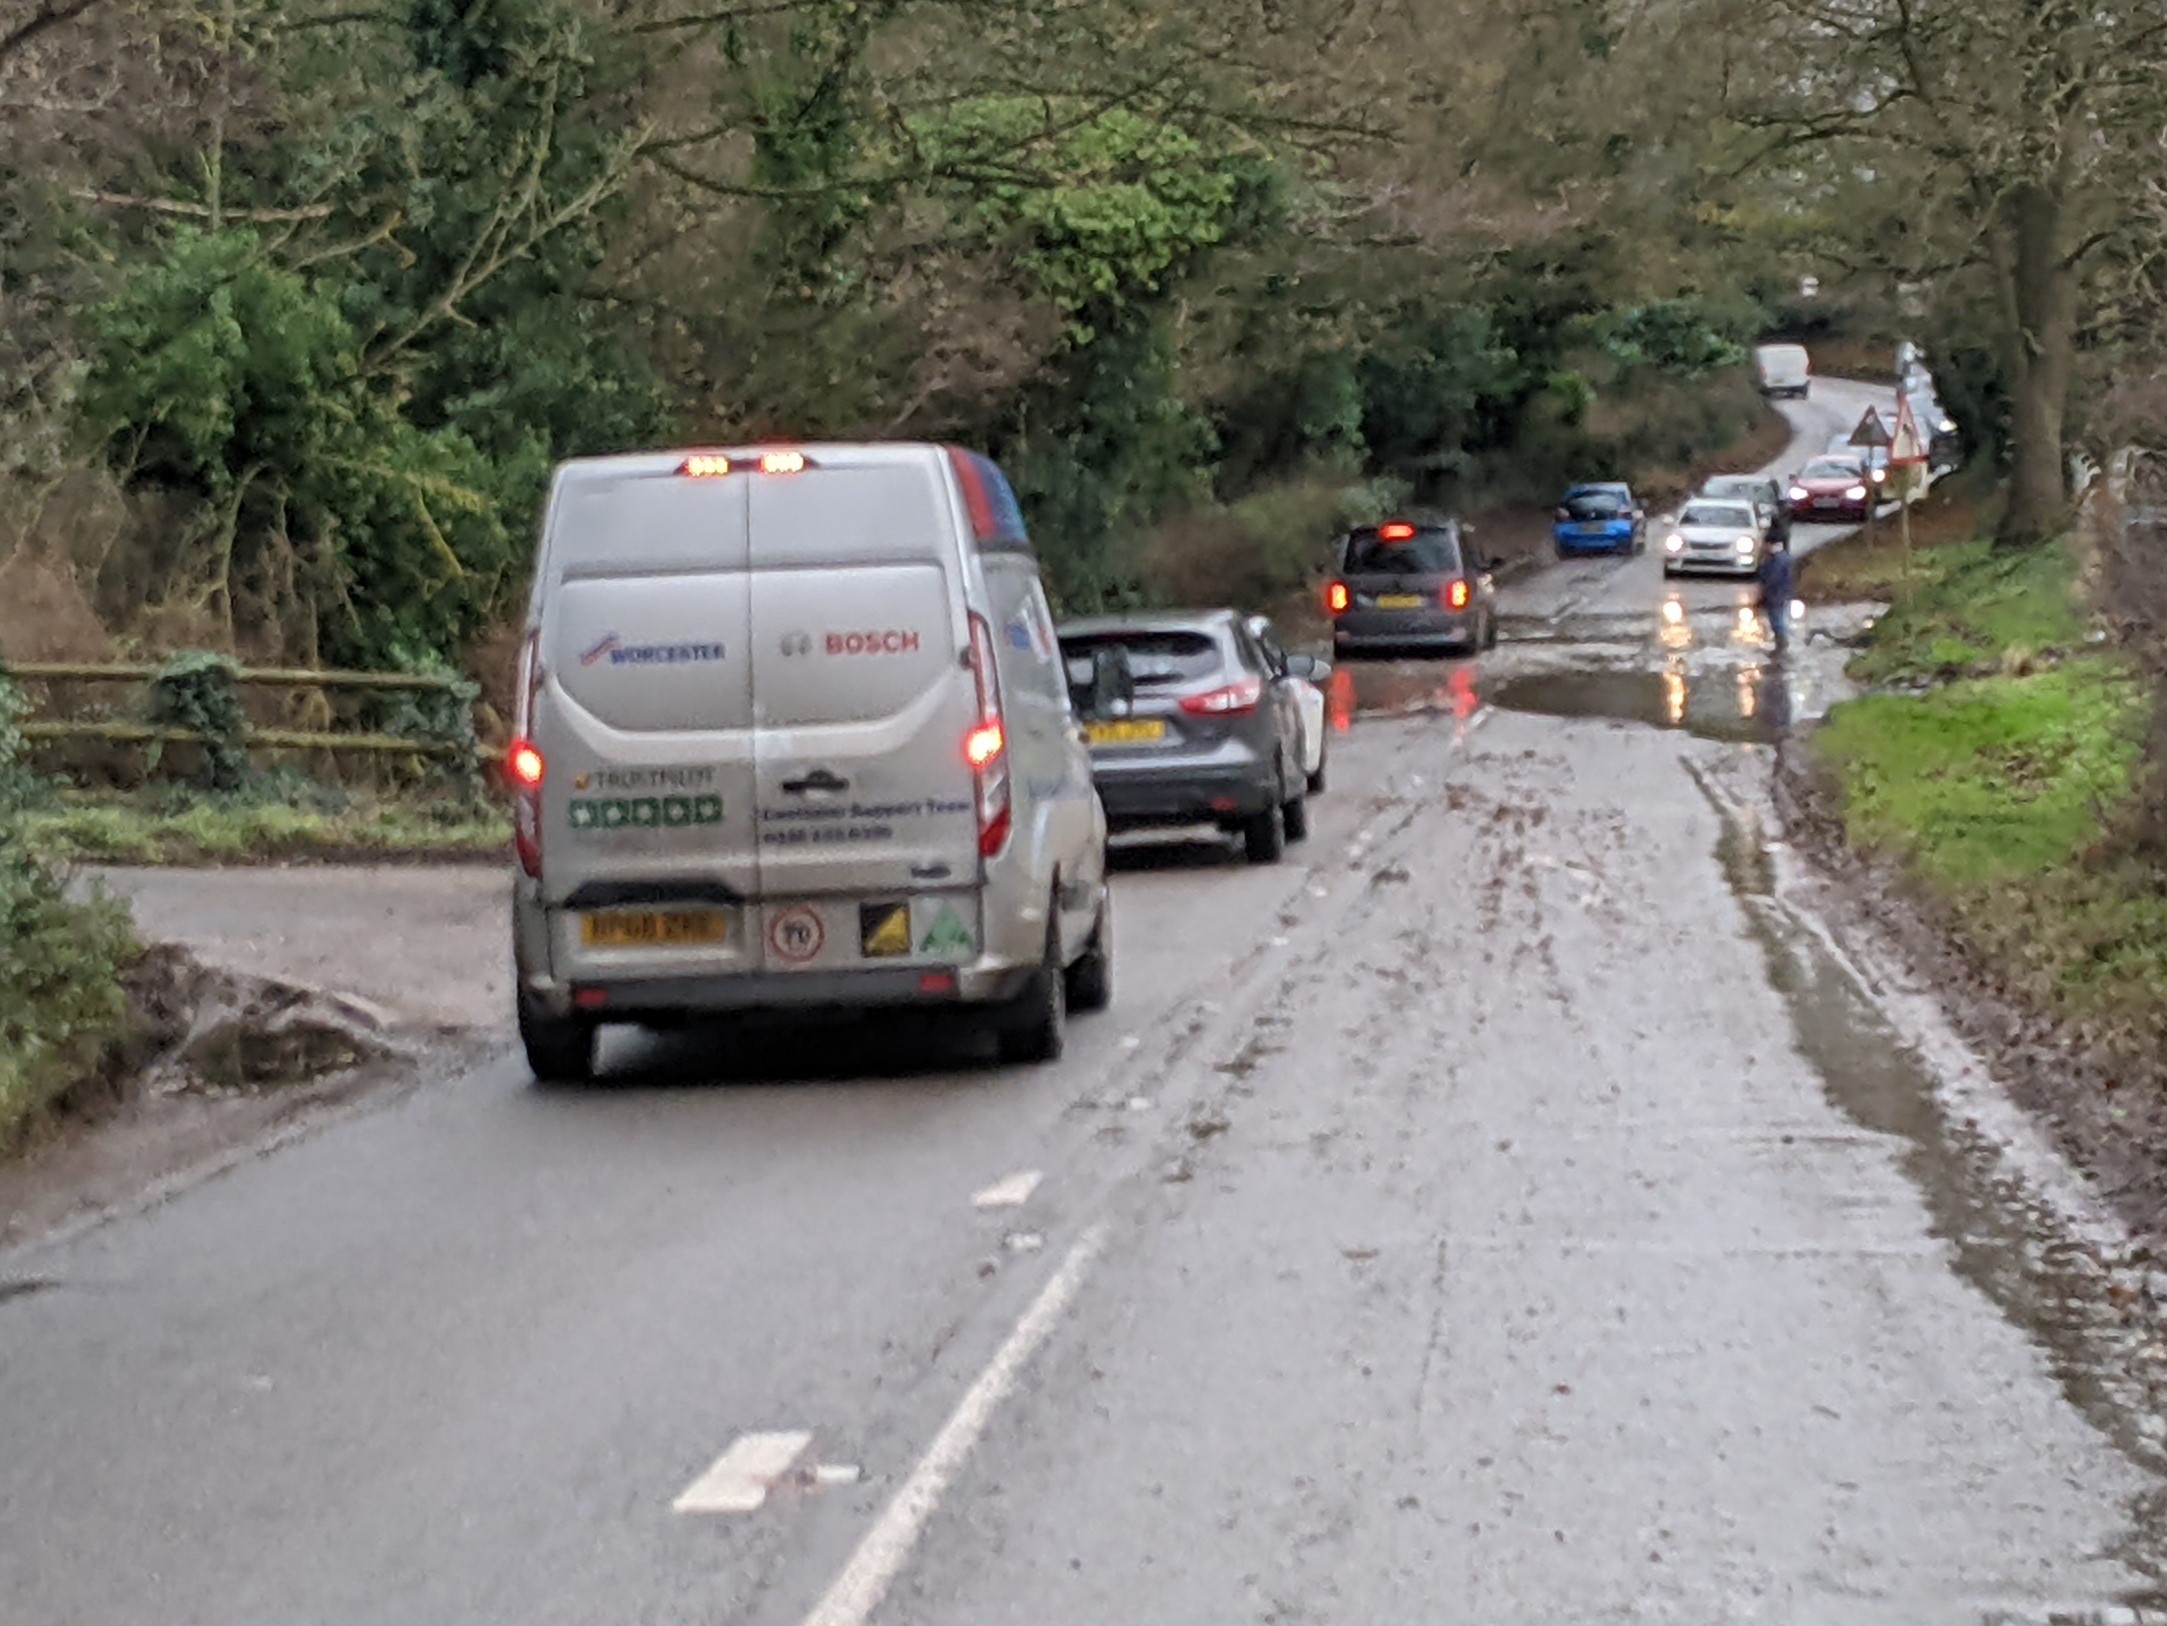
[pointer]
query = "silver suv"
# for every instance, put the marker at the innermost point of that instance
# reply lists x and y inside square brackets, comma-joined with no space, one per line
[1198,724]
[794,733]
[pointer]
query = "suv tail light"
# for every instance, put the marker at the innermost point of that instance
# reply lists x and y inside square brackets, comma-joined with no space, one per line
[986,746]
[1336,598]
[1235,700]
[524,765]
[1457,593]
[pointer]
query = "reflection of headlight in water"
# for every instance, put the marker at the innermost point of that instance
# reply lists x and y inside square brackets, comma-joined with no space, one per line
[1748,698]
[1673,612]
[1674,697]
[1798,609]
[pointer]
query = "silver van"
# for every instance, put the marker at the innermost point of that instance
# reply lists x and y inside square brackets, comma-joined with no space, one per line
[1783,369]
[793,733]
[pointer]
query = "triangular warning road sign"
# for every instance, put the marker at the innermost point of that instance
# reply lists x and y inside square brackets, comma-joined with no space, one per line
[1906,446]
[1871,430]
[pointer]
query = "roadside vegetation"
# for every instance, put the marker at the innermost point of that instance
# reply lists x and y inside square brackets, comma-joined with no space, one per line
[62,1007]
[2007,760]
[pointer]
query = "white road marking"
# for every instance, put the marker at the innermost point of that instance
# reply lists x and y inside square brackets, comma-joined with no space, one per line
[1012,1192]
[739,1480]
[887,1547]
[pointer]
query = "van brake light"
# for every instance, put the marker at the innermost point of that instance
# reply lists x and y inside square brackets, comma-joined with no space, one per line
[985,747]
[524,763]
[1457,593]
[782,462]
[704,468]
[1397,531]
[1336,598]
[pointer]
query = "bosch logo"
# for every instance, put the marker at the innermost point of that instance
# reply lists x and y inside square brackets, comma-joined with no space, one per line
[617,652]
[891,642]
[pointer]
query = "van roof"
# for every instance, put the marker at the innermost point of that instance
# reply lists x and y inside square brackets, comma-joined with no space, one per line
[996,520]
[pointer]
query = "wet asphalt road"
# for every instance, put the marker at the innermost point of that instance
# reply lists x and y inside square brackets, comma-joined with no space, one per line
[1496,1213]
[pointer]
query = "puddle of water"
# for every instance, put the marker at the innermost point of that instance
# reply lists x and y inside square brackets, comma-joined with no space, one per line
[1746,703]
[2005,1243]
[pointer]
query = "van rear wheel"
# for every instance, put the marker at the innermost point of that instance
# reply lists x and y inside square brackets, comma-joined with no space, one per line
[1035,1026]
[560,1049]
[1091,978]
[1264,837]
[1294,817]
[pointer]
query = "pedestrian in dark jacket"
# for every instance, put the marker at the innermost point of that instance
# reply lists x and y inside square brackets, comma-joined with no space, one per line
[1777,586]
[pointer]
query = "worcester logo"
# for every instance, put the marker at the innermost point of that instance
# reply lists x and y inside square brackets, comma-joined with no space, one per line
[617,652]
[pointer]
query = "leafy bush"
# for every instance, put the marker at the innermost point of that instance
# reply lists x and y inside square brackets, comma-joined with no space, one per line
[195,690]
[60,965]
[1671,336]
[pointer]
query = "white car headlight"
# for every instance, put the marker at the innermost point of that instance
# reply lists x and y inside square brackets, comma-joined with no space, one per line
[1948,427]
[1880,475]
[1674,543]
[1746,545]
[1856,494]
[1798,493]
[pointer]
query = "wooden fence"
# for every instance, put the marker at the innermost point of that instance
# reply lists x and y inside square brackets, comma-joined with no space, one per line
[265,739]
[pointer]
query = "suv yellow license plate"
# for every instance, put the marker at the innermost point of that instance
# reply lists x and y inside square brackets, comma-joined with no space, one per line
[1400,601]
[1139,731]
[654,928]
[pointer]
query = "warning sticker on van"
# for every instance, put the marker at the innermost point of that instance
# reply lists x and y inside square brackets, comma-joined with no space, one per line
[947,935]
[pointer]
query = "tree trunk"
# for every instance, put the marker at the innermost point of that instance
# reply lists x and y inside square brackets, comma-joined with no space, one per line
[2039,289]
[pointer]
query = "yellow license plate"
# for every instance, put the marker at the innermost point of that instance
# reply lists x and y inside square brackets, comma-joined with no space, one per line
[1138,731]
[654,928]
[1401,601]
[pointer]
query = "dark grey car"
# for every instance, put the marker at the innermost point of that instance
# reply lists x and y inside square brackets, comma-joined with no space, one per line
[1412,584]
[1190,722]
[1763,490]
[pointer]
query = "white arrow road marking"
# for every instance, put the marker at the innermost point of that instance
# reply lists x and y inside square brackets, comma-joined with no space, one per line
[1012,1192]
[739,1480]
[888,1545]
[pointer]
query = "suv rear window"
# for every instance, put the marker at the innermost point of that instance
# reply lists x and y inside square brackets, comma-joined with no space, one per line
[1596,505]
[1157,658]
[1426,553]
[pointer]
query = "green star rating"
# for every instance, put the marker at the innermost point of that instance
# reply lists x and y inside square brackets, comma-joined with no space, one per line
[608,815]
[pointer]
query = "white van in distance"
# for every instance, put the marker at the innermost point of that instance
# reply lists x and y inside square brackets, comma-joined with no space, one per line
[1783,369]
[793,734]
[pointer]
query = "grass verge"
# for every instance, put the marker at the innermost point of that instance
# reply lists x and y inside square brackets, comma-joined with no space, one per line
[119,830]
[2003,790]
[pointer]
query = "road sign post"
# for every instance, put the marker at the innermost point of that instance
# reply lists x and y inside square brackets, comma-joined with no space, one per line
[1907,471]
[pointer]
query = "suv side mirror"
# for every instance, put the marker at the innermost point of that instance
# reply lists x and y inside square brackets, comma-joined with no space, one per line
[1309,668]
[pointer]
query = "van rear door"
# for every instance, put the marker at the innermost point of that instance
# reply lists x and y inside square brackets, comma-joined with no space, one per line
[864,695]
[644,712]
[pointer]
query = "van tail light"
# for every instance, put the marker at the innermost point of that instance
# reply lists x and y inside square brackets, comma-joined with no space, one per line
[985,747]
[1235,700]
[524,765]
[1457,593]
[1336,598]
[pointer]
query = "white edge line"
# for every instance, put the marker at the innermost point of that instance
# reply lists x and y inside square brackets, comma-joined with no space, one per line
[887,1546]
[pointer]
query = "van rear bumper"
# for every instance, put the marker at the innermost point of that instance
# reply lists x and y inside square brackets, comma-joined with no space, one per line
[635,1000]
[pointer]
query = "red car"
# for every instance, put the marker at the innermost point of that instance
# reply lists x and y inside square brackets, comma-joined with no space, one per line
[1831,488]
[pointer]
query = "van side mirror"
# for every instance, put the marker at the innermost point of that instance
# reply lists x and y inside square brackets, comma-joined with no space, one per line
[1309,668]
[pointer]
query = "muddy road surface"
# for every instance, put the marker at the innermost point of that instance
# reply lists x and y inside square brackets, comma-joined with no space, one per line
[1507,1209]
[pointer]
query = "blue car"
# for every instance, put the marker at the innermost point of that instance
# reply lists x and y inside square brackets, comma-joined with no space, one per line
[1599,517]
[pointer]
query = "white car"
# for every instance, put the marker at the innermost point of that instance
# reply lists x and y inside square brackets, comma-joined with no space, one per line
[1310,691]
[1726,536]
